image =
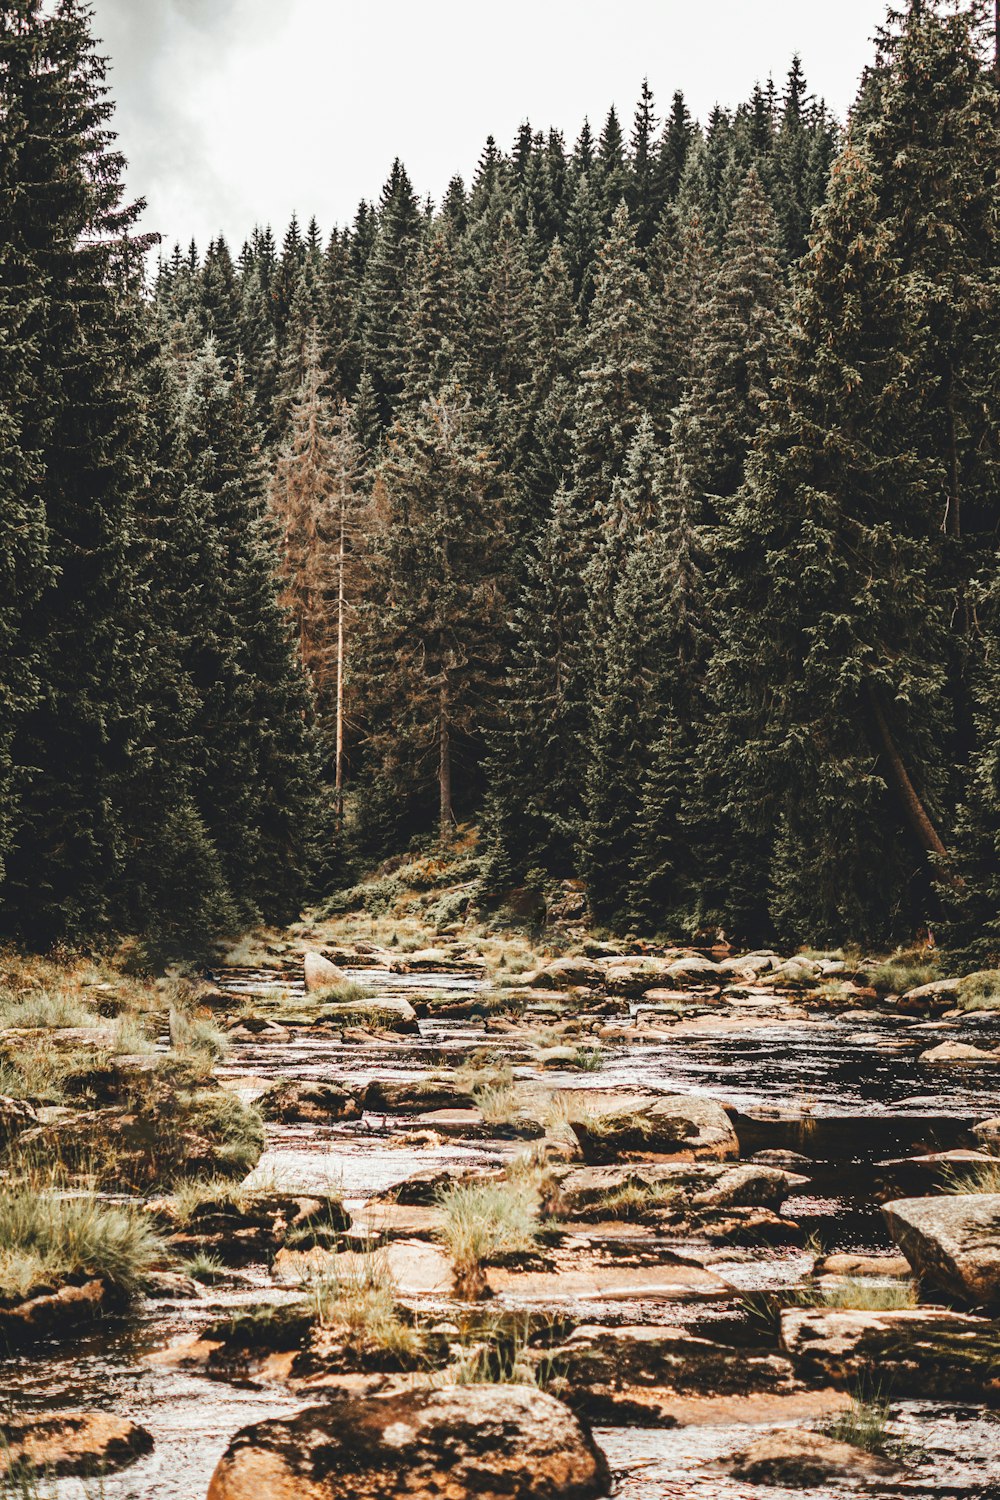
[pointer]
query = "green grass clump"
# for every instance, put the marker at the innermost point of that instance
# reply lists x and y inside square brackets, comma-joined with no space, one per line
[864,1294]
[980,991]
[47,1238]
[903,971]
[189,1198]
[235,1127]
[206,1268]
[362,1305]
[864,1425]
[634,1200]
[984,1178]
[486,1220]
[44,1010]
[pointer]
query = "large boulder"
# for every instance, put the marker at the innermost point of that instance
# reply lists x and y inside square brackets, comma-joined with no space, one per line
[564,973]
[952,1242]
[957,1052]
[473,1442]
[62,1444]
[321,974]
[58,1313]
[386,1013]
[802,1460]
[682,1126]
[920,1352]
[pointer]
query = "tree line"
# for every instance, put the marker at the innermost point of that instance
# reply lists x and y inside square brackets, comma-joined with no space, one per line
[638,501]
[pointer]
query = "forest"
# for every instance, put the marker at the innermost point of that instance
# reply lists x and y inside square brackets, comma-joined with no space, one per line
[637,504]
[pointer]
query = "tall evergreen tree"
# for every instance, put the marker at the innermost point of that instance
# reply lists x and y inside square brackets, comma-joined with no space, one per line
[431,622]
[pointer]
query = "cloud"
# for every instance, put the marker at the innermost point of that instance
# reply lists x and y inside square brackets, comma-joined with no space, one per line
[162,54]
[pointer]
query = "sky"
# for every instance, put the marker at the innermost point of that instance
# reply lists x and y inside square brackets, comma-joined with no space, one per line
[236,112]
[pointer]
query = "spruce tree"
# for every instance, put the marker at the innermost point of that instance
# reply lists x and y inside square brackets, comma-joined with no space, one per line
[534,806]
[431,622]
[71,275]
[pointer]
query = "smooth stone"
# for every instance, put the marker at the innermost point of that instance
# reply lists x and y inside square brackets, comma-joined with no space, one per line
[66,1444]
[804,1460]
[952,1241]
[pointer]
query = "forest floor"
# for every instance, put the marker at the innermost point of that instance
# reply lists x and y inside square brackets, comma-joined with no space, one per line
[738,1212]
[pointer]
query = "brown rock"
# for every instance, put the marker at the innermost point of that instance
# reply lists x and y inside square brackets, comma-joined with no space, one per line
[802,1460]
[56,1313]
[320,973]
[489,1442]
[952,1241]
[70,1443]
[917,1352]
[312,1102]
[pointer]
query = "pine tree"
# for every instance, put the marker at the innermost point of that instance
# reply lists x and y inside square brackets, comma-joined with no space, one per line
[436,340]
[432,619]
[534,806]
[70,277]
[732,359]
[618,379]
[259,784]
[647,193]
[382,306]
[830,671]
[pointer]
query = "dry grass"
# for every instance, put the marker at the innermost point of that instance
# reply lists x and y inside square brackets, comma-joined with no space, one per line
[48,1237]
[362,1305]
[485,1220]
[864,1294]
[984,1178]
[980,991]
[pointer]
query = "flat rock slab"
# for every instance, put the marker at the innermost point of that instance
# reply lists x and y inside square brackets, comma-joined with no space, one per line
[952,1241]
[610,1283]
[917,1352]
[416,1269]
[70,1443]
[470,1442]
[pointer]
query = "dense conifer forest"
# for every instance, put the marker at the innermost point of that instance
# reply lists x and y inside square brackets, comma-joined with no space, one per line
[638,502]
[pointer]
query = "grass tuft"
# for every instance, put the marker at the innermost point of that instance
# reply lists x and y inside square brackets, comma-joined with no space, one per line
[47,1238]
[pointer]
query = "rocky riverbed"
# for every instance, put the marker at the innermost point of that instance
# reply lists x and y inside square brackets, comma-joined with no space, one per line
[650,1185]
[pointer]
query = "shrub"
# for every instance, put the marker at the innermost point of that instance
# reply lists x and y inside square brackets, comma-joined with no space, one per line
[47,1238]
[980,991]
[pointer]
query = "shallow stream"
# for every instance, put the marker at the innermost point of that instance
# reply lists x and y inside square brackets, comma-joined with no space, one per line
[866,1100]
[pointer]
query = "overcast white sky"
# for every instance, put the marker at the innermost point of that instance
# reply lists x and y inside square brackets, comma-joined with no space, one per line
[233,112]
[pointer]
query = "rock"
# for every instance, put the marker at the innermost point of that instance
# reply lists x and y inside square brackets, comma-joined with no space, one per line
[952,1242]
[422,1189]
[468,1124]
[988,1132]
[694,969]
[790,1160]
[488,1442]
[54,1313]
[919,1352]
[564,973]
[15,1115]
[747,965]
[393,1096]
[70,1443]
[957,1052]
[863,1265]
[320,973]
[596,1356]
[930,999]
[315,1103]
[674,1125]
[802,1460]
[387,1013]
[633,976]
[750,1186]
[803,973]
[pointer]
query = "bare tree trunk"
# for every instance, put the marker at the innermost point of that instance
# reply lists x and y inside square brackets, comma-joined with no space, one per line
[916,814]
[340,670]
[444,763]
[996,38]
